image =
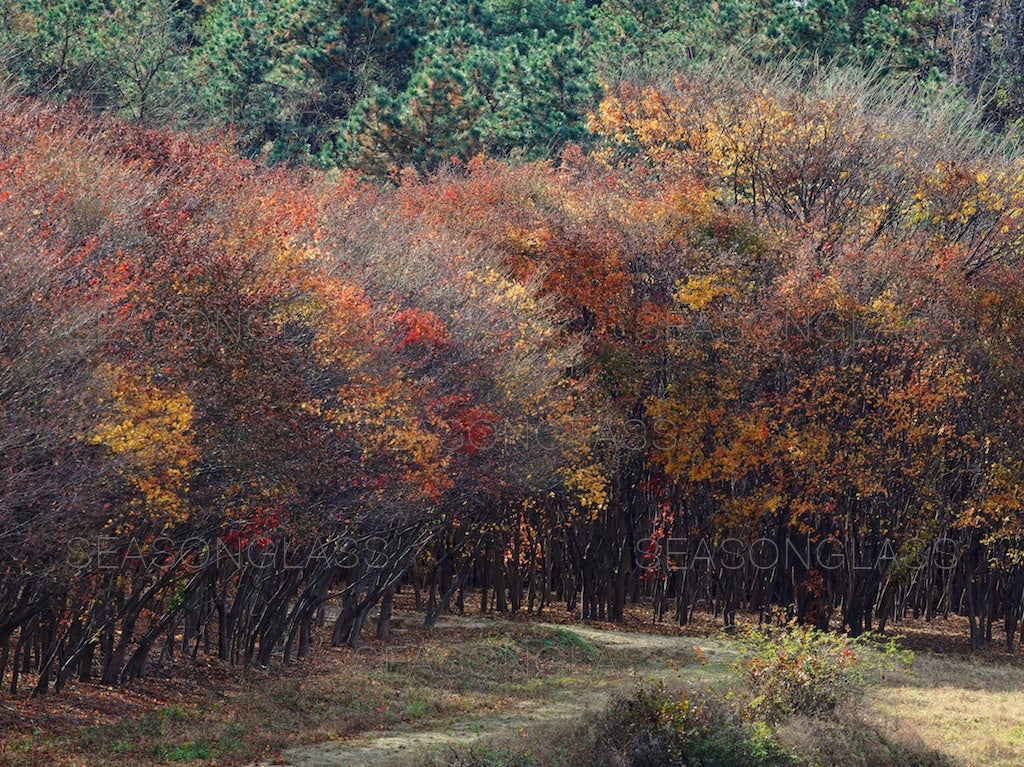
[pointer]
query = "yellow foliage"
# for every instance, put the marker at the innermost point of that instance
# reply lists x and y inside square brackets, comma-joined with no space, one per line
[698,292]
[151,428]
[590,485]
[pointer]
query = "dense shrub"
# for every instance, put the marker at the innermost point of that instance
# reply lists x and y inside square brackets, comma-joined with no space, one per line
[801,670]
[657,727]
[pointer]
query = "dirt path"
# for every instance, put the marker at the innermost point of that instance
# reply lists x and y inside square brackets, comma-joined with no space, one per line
[378,749]
[651,654]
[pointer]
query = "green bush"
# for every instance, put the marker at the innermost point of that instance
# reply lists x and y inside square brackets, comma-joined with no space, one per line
[801,670]
[657,728]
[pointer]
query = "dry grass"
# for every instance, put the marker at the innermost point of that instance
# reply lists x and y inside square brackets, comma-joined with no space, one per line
[970,710]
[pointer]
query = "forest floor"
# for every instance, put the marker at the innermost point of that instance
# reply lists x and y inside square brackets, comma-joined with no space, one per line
[475,681]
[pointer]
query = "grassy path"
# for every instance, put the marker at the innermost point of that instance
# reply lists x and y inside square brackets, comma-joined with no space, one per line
[623,657]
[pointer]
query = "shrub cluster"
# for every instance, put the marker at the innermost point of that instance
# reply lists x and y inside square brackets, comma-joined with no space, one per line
[801,670]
